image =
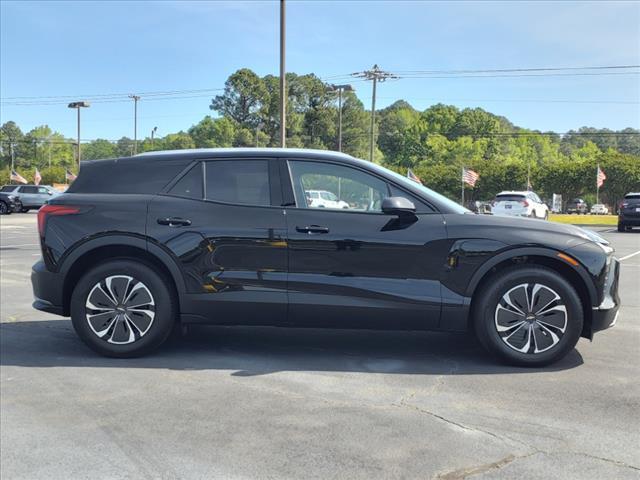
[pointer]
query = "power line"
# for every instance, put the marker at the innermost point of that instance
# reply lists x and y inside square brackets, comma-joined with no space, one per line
[622,102]
[507,70]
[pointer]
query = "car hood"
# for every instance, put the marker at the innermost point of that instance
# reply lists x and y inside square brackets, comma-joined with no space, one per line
[516,230]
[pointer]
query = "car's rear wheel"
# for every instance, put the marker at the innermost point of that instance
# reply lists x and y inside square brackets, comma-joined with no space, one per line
[4,209]
[528,316]
[123,308]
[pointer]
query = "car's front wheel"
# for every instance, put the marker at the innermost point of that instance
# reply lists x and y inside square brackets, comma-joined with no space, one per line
[4,209]
[123,308]
[528,316]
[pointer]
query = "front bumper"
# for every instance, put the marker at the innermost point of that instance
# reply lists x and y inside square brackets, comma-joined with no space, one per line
[605,315]
[47,290]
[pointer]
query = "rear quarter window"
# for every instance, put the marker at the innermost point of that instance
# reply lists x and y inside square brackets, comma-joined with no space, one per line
[7,188]
[128,175]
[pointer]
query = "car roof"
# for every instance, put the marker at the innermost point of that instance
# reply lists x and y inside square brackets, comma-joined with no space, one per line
[632,193]
[513,193]
[244,152]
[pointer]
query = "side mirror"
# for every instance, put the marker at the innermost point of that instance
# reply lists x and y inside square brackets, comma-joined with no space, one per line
[398,206]
[50,192]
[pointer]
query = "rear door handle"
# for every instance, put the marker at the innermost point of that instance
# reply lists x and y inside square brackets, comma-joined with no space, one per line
[174,222]
[313,229]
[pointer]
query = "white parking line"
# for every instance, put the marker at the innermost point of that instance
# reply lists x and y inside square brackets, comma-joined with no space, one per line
[20,245]
[629,256]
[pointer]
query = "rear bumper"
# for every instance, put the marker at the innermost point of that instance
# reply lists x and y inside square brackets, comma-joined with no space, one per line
[628,220]
[47,290]
[606,314]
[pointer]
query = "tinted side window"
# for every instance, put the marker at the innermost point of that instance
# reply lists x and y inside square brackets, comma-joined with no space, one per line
[28,189]
[7,188]
[238,181]
[190,185]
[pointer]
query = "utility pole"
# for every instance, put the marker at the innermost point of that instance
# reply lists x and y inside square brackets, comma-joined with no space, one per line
[78,106]
[283,83]
[135,122]
[376,75]
[340,89]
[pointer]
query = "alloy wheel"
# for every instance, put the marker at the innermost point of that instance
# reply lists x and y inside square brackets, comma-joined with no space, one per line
[3,208]
[531,318]
[120,309]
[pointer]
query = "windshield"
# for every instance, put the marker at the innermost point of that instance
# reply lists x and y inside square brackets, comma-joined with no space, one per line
[427,192]
[632,197]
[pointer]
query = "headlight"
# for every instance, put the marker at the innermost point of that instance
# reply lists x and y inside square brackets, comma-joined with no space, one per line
[593,236]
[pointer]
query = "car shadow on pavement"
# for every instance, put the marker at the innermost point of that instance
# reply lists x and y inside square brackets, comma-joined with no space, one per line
[249,351]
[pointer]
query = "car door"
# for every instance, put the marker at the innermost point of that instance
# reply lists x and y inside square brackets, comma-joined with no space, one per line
[223,224]
[43,195]
[28,195]
[356,266]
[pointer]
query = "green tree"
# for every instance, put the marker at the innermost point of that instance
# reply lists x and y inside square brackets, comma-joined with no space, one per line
[98,149]
[243,98]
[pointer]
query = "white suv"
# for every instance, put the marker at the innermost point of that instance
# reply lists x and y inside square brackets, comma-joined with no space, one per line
[324,199]
[519,204]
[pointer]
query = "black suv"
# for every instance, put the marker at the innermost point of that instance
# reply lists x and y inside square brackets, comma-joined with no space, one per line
[9,203]
[577,205]
[629,212]
[232,236]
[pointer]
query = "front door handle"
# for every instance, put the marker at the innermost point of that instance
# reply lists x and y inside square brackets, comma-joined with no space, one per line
[313,229]
[174,222]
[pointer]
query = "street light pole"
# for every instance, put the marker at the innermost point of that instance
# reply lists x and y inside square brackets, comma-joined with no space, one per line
[340,89]
[283,97]
[135,122]
[78,106]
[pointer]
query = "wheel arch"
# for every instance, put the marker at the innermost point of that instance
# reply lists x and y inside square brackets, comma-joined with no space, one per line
[98,250]
[575,275]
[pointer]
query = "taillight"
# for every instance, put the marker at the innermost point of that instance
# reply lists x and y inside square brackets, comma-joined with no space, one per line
[51,210]
[524,203]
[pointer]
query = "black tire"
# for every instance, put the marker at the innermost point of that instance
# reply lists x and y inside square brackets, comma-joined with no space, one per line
[24,210]
[153,321]
[4,209]
[621,227]
[489,313]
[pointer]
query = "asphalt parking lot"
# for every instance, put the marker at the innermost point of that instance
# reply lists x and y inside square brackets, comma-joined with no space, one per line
[240,403]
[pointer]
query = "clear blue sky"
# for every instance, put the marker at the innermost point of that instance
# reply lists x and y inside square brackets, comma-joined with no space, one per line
[79,48]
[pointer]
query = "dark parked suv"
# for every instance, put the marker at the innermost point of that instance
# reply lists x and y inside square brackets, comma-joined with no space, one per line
[229,236]
[577,205]
[629,212]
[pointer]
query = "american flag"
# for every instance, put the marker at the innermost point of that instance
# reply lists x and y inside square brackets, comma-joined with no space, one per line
[37,178]
[413,176]
[469,176]
[70,176]
[15,176]
[601,177]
